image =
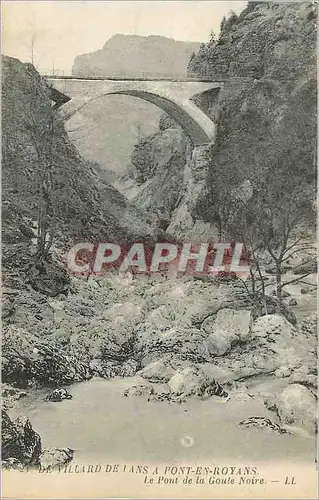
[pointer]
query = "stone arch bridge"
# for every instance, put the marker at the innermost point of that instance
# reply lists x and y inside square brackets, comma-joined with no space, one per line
[174,97]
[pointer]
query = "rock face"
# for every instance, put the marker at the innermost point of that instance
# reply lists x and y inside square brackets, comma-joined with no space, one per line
[279,28]
[297,406]
[267,56]
[28,360]
[78,206]
[27,110]
[158,162]
[19,440]
[133,56]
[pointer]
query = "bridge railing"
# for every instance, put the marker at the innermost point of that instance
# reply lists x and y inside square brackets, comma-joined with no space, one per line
[58,74]
[124,79]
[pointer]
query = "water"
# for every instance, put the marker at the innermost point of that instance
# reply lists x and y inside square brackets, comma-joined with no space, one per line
[100,424]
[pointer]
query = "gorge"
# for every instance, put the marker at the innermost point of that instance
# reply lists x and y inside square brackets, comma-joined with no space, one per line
[138,352]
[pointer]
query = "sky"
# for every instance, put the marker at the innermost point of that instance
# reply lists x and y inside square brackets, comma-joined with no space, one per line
[60,30]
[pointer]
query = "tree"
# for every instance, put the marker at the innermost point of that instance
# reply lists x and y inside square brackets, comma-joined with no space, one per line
[40,122]
[283,216]
[270,221]
[223,25]
[32,44]
[192,57]
[212,38]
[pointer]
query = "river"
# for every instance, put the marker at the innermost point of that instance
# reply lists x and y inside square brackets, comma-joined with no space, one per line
[100,424]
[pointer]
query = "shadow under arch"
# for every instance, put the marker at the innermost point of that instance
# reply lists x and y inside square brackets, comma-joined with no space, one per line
[189,125]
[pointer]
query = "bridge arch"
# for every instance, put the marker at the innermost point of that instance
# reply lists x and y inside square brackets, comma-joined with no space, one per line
[175,102]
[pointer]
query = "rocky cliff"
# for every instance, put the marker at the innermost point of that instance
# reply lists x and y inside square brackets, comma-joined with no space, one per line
[47,187]
[78,203]
[34,137]
[265,112]
[267,40]
[133,56]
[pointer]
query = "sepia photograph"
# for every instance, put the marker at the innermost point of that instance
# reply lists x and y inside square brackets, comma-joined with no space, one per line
[159,249]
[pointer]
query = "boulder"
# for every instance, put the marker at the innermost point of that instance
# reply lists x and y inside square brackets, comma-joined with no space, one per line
[239,396]
[269,305]
[104,368]
[58,395]
[297,406]
[19,440]
[129,368]
[139,390]
[262,423]
[54,457]
[305,376]
[214,389]
[108,336]
[272,324]
[166,396]
[189,381]
[309,326]
[193,381]
[13,464]
[283,372]
[228,328]
[274,344]
[157,371]
[217,373]
[180,340]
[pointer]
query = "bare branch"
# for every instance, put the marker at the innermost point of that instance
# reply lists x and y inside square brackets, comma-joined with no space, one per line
[303,264]
[299,278]
[292,245]
[300,249]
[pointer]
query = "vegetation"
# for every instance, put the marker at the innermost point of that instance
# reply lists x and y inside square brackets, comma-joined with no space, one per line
[42,129]
[262,167]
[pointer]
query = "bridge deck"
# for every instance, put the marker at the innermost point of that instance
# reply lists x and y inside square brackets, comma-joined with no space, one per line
[123,79]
